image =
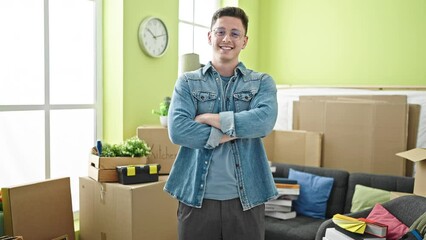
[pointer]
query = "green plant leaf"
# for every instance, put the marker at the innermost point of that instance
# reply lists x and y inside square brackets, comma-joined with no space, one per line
[132,147]
[164,107]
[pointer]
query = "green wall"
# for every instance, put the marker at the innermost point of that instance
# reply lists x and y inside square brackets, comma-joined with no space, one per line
[134,83]
[113,71]
[250,53]
[343,42]
[298,42]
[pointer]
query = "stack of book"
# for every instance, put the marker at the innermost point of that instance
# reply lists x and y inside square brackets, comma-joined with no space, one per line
[338,233]
[349,228]
[281,207]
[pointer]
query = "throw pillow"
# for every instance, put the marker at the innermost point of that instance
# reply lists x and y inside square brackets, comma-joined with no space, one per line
[314,193]
[396,229]
[366,197]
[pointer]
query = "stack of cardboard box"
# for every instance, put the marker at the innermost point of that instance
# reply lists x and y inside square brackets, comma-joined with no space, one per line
[361,133]
[110,210]
[117,211]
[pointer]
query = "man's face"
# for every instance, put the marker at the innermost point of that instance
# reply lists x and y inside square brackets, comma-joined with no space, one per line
[227,38]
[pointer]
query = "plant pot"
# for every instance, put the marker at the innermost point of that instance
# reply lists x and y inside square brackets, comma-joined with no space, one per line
[163,121]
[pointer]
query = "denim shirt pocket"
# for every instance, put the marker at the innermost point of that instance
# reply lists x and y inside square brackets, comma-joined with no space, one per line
[243,99]
[205,101]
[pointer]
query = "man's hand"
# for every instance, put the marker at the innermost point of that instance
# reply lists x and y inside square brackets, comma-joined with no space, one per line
[211,119]
[226,138]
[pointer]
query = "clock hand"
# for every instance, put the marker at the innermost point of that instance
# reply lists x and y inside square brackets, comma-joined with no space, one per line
[160,35]
[149,30]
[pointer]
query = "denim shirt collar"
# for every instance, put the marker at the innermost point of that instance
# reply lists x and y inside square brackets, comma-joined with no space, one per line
[241,68]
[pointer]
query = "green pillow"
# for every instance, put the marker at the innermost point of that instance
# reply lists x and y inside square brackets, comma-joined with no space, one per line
[366,197]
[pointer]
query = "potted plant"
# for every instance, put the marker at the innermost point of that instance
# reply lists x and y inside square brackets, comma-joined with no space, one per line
[105,157]
[132,147]
[163,111]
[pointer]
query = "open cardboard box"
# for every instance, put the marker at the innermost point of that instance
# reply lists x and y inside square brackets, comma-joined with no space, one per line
[418,156]
[103,169]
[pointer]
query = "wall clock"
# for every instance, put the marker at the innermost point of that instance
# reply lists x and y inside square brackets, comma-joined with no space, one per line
[153,37]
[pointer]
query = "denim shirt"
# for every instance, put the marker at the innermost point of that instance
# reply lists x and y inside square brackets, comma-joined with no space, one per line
[248,111]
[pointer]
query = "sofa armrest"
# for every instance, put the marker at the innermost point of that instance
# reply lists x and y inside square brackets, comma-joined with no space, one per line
[329,223]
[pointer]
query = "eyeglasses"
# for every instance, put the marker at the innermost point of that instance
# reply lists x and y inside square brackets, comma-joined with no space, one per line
[221,32]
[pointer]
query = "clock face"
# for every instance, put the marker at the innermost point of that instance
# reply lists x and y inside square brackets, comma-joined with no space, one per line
[153,37]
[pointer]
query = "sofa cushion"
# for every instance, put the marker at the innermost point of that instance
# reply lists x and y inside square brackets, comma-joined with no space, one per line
[396,228]
[300,228]
[366,197]
[314,193]
[336,201]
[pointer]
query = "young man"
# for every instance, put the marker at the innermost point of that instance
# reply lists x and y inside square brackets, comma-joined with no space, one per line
[218,115]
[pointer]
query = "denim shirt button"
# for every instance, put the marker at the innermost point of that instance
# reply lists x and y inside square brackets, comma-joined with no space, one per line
[205,162]
[201,185]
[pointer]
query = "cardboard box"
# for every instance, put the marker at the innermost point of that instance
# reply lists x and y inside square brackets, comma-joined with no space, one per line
[115,211]
[294,147]
[103,169]
[361,133]
[418,156]
[39,211]
[163,151]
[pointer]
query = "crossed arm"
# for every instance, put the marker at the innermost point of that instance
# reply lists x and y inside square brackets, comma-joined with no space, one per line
[213,119]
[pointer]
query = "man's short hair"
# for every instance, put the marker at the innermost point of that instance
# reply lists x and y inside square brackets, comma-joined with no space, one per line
[231,12]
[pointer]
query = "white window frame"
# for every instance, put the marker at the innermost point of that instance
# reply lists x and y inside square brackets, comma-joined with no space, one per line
[194,24]
[47,107]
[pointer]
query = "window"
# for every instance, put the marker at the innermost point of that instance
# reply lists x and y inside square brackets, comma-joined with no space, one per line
[194,25]
[48,100]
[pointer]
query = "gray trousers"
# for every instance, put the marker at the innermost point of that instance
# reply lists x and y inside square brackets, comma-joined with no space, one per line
[221,220]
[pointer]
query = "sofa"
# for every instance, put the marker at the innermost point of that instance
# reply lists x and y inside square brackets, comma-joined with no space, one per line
[339,201]
[406,208]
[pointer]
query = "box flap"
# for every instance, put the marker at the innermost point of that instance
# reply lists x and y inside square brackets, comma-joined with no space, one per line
[415,155]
